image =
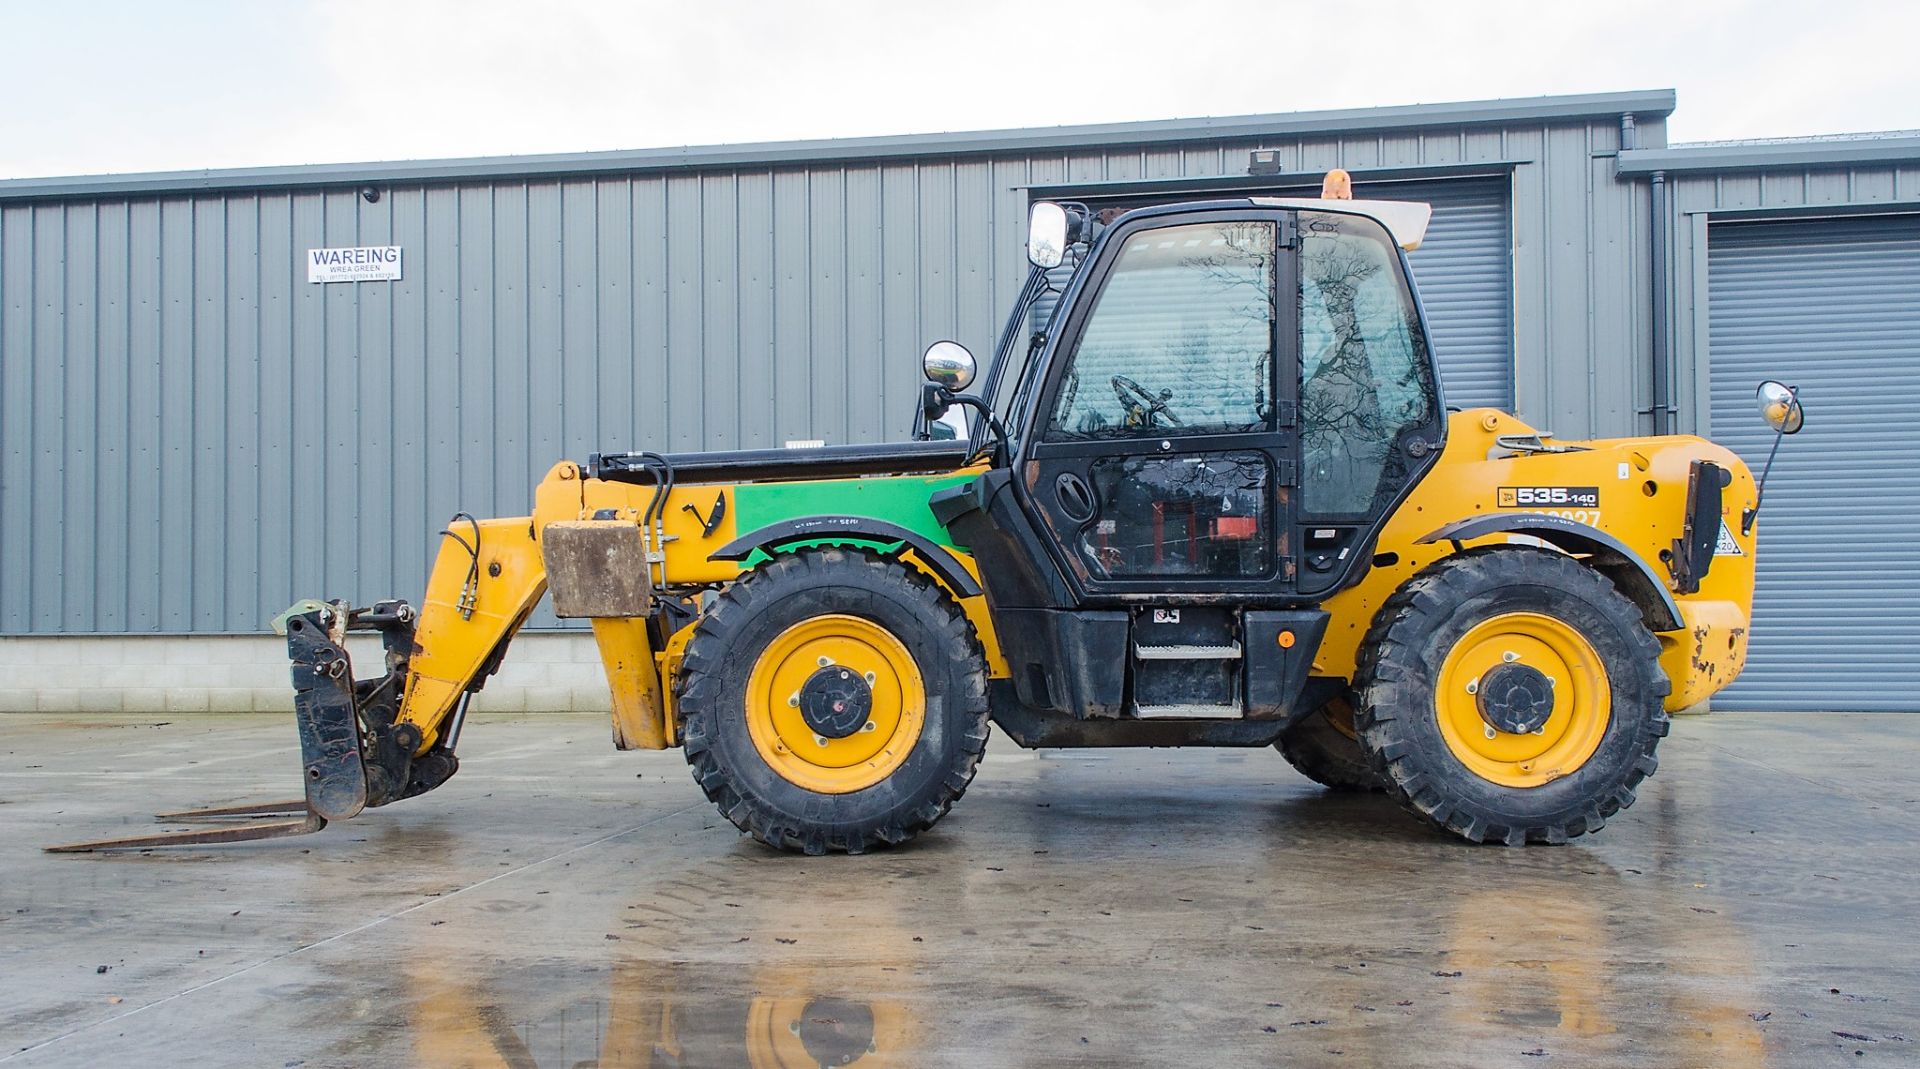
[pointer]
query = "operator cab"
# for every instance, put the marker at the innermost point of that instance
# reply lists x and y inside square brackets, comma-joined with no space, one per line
[1201,445]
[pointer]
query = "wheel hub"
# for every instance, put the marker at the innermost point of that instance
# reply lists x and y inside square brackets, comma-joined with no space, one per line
[1522,699]
[835,702]
[1515,698]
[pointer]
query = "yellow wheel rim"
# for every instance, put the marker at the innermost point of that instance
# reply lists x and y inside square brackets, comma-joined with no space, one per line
[791,747]
[1582,704]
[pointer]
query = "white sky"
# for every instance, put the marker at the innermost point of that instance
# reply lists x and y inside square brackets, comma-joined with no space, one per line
[89,87]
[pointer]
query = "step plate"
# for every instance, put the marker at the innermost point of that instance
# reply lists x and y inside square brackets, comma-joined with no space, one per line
[1187,712]
[1187,653]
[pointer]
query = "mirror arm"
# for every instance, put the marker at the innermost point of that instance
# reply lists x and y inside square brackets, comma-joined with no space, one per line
[1748,516]
[945,399]
[1787,425]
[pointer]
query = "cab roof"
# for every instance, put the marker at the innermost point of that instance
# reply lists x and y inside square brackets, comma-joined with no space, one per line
[1406,220]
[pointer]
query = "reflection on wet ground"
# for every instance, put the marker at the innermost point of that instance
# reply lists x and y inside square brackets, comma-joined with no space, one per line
[548,909]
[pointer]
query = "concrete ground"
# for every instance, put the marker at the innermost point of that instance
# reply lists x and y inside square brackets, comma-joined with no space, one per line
[562,905]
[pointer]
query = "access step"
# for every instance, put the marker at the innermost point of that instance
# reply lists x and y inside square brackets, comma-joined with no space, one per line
[1230,652]
[1191,711]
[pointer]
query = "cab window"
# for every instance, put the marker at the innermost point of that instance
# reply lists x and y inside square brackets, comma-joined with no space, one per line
[1180,340]
[1365,381]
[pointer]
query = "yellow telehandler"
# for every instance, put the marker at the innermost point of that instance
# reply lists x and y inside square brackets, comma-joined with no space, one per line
[1214,499]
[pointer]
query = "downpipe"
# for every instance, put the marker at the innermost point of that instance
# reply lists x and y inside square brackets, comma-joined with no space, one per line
[1662,409]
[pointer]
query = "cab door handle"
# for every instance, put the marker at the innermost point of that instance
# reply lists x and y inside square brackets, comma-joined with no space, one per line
[1076,499]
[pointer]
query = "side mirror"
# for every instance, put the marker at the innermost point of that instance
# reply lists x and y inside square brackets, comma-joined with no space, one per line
[1780,407]
[949,364]
[1047,235]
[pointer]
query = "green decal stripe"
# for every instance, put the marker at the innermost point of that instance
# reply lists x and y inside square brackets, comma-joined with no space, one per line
[897,499]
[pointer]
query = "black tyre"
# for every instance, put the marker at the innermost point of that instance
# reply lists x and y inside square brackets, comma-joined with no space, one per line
[1511,694]
[1325,747]
[833,699]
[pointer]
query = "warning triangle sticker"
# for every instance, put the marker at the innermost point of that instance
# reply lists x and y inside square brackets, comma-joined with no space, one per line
[1726,546]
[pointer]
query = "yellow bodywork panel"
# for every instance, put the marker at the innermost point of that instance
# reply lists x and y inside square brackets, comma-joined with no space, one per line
[564,495]
[639,716]
[1708,653]
[668,661]
[474,604]
[454,645]
[1641,499]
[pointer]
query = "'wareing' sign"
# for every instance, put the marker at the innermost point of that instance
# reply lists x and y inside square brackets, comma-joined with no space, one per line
[376,263]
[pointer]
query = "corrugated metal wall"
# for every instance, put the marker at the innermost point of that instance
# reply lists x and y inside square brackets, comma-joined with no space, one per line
[1828,306]
[1699,197]
[1464,269]
[192,435]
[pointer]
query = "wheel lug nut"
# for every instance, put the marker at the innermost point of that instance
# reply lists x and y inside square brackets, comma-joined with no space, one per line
[825,661]
[1473,686]
[1492,734]
[819,740]
[869,726]
[870,677]
[1541,730]
[794,698]
[1509,656]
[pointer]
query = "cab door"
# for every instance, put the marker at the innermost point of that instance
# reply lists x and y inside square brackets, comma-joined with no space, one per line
[1371,418]
[1163,454]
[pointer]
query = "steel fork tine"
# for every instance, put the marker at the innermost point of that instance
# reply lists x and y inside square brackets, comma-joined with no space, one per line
[227,833]
[250,809]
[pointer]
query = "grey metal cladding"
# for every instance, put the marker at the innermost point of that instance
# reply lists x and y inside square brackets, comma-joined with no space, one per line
[1464,271]
[1825,306]
[192,435]
[1703,198]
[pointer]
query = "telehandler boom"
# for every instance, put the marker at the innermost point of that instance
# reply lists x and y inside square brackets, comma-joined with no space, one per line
[1215,499]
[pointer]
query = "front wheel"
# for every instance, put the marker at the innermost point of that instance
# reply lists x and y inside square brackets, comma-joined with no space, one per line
[1511,694]
[833,699]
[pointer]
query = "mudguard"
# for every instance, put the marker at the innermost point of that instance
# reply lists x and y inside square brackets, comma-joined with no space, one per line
[1621,564]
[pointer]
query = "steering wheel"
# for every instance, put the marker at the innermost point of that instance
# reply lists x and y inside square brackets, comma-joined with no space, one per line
[1143,401]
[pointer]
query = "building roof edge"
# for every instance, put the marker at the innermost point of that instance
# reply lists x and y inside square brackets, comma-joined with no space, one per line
[1647,103]
[1751,157]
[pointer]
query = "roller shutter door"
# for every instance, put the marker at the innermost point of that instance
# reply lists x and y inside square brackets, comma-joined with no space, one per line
[1832,306]
[1464,271]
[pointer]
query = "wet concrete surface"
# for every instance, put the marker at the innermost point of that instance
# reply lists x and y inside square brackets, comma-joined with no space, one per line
[562,905]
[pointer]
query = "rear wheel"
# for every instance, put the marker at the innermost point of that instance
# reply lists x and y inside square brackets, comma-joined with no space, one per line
[1511,694]
[833,699]
[1325,748]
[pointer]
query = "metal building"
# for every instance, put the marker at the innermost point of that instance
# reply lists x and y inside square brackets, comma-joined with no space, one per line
[192,434]
[1800,260]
